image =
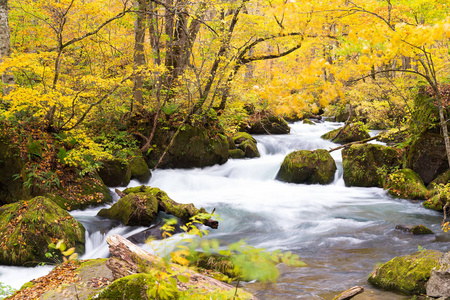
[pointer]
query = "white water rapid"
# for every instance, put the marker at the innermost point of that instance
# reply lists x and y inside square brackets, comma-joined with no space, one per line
[340,232]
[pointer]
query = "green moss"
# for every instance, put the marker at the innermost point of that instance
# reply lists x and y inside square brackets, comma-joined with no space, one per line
[138,167]
[133,209]
[306,166]
[28,227]
[115,172]
[249,148]
[420,229]
[352,133]
[134,287]
[308,121]
[407,274]
[240,137]
[368,165]
[236,153]
[406,184]
[27,285]
[92,263]
[436,202]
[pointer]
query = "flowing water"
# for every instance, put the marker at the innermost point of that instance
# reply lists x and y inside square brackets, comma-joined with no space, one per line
[340,232]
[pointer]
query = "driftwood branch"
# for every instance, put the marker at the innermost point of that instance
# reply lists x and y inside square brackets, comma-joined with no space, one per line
[352,143]
[123,249]
[350,293]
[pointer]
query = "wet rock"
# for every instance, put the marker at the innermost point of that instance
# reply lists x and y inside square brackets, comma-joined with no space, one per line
[133,209]
[194,147]
[115,172]
[308,121]
[416,230]
[306,166]
[406,274]
[438,286]
[236,153]
[405,183]
[367,165]
[27,228]
[266,124]
[246,144]
[351,133]
[427,156]
[138,167]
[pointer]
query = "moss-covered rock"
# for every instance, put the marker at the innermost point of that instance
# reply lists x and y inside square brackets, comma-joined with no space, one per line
[134,287]
[194,147]
[240,137]
[249,148]
[27,228]
[246,144]
[263,123]
[134,209]
[351,133]
[416,230]
[407,274]
[139,168]
[308,121]
[427,156]
[405,183]
[115,172]
[367,165]
[236,153]
[441,179]
[306,166]
[81,193]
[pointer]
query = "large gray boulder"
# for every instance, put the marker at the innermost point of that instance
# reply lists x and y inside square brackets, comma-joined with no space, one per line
[438,286]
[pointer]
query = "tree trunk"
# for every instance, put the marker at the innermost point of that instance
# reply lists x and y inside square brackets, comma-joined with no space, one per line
[5,47]
[139,55]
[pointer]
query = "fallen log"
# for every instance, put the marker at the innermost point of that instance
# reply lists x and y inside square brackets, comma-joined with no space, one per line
[350,293]
[353,143]
[135,256]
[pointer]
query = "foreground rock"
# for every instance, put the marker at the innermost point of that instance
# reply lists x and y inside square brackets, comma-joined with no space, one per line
[28,227]
[406,274]
[306,166]
[438,286]
[427,156]
[367,165]
[351,133]
[405,183]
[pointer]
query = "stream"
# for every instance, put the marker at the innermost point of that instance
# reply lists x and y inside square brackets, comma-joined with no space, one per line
[340,232]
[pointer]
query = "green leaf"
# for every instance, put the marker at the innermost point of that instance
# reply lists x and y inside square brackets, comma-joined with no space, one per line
[183,279]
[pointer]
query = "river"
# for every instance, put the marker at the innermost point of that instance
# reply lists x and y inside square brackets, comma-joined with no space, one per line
[340,232]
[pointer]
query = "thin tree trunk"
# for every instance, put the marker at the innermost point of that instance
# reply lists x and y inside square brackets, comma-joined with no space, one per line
[5,47]
[139,55]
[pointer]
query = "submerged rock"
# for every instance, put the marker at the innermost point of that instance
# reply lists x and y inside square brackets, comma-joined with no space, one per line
[351,133]
[306,166]
[406,274]
[416,230]
[367,165]
[27,228]
[405,183]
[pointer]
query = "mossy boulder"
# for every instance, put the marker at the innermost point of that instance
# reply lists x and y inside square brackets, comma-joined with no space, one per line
[194,147]
[27,228]
[262,123]
[81,193]
[351,133]
[244,142]
[308,122]
[367,165]
[134,209]
[138,167]
[405,183]
[407,274]
[115,172]
[236,153]
[306,166]
[427,156]
[441,179]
